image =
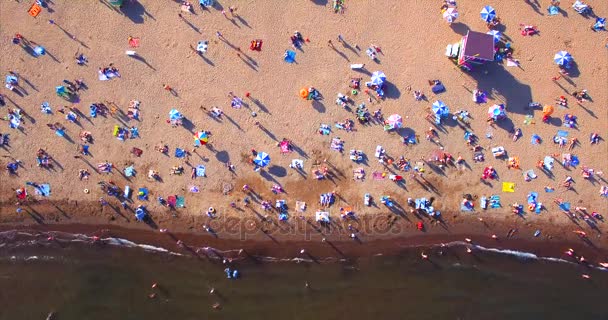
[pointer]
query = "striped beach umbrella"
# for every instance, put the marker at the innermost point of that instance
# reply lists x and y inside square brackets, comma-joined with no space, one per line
[562,58]
[201,138]
[487,13]
[262,159]
[450,15]
[495,34]
[441,109]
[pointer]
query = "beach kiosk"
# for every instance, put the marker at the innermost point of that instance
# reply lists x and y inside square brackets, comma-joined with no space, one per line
[473,49]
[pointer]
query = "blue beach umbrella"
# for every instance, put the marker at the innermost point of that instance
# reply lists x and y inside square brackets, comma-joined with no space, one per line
[262,159]
[495,34]
[487,13]
[378,78]
[562,58]
[174,115]
[439,108]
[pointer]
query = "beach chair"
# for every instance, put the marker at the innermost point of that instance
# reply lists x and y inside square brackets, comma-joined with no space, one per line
[483,203]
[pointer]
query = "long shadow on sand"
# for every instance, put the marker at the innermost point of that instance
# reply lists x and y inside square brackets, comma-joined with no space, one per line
[503,87]
[135,11]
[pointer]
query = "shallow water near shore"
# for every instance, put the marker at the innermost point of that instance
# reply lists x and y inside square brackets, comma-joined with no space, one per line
[81,280]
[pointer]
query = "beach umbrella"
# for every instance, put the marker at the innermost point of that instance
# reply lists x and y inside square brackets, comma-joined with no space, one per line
[395,121]
[12,79]
[15,123]
[262,159]
[496,34]
[200,138]
[175,115]
[497,112]
[548,110]
[378,78]
[562,58]
[450,15]
[439,108]
[487,13]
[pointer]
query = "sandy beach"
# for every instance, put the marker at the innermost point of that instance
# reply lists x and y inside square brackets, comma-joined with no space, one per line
[412,38]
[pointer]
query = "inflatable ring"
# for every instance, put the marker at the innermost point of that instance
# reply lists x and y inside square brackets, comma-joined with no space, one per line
[86,191]
[211,209]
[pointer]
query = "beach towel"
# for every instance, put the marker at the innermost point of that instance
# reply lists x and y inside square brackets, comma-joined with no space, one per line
[200,170]
[129,171]
[322,216]
[172,201]
[324,129]
[180,202]
[297,163]
[438,88]
[553,10]
[562,133]
[378,175]
[538,208]
[535,139]
[565,206]
[528,119]
[532,197]
[574,161]
[180,153]
[548,163]
[142,194]
[466,206]
[108,75]
[290,56]
[194,189]
[549,190]
[483,203]
[134,132]
[43,190]
[508,187]
[300,206]
[495,201]
[530,175]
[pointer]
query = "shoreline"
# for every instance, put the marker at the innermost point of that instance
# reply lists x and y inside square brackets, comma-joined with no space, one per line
[308,236]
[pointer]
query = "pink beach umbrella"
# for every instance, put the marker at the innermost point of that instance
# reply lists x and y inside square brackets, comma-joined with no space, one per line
[395,121]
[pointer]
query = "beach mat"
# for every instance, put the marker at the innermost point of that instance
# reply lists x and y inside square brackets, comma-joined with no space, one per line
[180,202]
[508,187]
[43,190]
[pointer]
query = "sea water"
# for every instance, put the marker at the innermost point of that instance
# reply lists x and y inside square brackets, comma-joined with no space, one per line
[82,280]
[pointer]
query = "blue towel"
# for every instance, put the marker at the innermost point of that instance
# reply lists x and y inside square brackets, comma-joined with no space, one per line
[290,56]
[565,206]
[562,133]
[180,153]
[532,197]
[142,194]
[534,139]
[44,190]
[553,10]
[574,161]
